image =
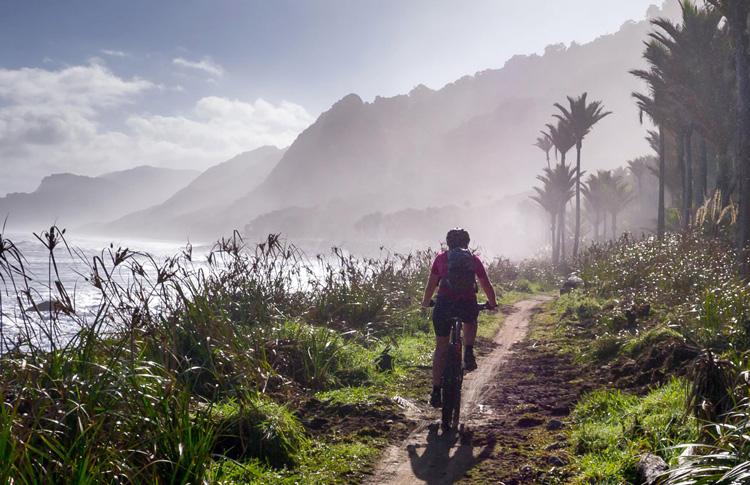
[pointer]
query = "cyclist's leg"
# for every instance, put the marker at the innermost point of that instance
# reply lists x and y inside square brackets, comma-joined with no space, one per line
[441,321]
[470,315]
[470,333]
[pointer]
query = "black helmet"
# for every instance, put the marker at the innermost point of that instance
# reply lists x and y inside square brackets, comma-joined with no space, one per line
[457,238]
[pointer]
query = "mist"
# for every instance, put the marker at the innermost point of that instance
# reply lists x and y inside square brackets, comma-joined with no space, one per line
[394,171]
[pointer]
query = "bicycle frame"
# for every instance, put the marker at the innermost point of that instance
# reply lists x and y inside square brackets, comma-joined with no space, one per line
[453,375]
[453,378]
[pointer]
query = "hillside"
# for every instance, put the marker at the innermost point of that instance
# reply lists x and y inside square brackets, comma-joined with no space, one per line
[73,200]
[215,188]
[470,141]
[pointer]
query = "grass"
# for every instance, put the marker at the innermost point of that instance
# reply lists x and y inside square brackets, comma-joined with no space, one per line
[189,372]
[323,464]
[611,429]
[256,427]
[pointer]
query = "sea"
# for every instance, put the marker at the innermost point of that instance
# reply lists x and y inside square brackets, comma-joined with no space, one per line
[74,257]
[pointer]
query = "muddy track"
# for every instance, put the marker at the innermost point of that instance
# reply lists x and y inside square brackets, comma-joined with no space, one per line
[427,455]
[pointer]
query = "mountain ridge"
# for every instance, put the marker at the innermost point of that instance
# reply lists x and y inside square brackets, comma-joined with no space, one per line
[72,200]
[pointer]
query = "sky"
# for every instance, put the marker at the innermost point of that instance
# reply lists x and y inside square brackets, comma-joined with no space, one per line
[93,86]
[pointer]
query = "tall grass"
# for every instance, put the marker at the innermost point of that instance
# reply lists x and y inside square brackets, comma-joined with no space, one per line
[179,357]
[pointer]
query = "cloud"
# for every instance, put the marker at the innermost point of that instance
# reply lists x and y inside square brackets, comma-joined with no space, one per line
[205,65]
[82,88]
[219,128]
[62,121]
[114,53]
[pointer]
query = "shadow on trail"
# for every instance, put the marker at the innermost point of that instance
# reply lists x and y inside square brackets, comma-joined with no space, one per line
[437,466]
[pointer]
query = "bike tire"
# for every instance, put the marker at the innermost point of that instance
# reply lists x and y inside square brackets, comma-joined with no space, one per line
[451,394]
[448,402]
[455,419]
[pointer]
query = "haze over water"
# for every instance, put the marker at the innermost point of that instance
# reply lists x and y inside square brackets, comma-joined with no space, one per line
[74,267]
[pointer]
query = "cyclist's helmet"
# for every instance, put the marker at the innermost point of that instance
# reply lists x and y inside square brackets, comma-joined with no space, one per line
[457,238]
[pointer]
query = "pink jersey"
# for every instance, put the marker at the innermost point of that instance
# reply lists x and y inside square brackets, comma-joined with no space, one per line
[440,269]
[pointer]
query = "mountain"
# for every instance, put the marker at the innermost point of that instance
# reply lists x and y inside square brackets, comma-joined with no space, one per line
[472,140]
[74,200]
[468,144]
[212,190]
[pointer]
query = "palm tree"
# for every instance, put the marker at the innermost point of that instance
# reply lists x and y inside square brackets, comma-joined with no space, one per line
[639,168]
[547,200]
[545,144]
[695,67]
[595,196]
[553,197]
[617,196]
[736,13]
[687,76]
[655,105]
[580,116]
[561,137]
[563,140]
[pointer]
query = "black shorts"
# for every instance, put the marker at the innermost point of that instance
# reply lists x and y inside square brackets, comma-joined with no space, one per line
[446,310]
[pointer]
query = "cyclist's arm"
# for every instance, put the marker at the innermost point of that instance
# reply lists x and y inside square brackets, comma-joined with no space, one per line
[489,290]
[429,290]
[486,284]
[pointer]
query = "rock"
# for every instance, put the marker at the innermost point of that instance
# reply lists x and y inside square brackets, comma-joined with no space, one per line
[556,461]
[573,282]
[47,306]
[649,467]
[554,425]
[560,411]
[556,446]
[529,422]
[384,361]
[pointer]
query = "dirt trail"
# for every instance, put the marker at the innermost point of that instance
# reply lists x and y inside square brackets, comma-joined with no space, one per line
[427,456]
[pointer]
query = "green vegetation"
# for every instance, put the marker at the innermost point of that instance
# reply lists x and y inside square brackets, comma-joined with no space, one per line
[222,371]
[612,428]
[648,309]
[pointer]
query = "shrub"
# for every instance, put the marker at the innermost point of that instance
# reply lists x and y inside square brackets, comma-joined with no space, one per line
[316,357]
[648,339]
[612,428]
[256,427]
[606,346]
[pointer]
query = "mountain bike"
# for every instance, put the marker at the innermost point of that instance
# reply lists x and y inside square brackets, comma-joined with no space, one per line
[453,374]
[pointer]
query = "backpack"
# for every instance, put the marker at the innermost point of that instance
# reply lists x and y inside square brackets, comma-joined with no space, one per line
[461,271]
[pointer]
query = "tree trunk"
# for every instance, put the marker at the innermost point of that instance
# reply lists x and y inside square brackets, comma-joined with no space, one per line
[681,165]
[687,190]
[660,219]
[737,18]
[553,224]
[561,232]
[614,225]
[723,178]
[577,235]
[597,221]
[702,186]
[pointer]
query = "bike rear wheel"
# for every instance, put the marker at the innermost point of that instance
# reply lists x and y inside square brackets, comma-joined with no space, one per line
[456,405]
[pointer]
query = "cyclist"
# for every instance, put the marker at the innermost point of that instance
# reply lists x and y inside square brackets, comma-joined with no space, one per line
[454,274]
